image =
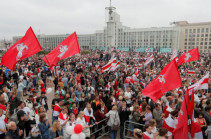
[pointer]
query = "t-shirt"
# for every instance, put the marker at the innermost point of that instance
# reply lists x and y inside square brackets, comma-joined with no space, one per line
[2,125]
[129,95]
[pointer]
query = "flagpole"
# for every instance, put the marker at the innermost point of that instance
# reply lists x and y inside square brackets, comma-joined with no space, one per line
[187,108]
[47,60]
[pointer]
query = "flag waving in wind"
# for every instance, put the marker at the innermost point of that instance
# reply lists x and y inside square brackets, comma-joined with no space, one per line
[27,46]
[65,49]
[168,79]
[201,84]
[191,55]
[150,59]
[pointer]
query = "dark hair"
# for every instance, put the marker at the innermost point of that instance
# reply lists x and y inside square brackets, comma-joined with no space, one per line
[19,103]
[147,126]
[207,108]
[98,107]
[162,131]
[174,113]
[42,93]
[171,102]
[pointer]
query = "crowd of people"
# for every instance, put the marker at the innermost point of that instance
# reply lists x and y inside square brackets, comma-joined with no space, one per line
[102,102]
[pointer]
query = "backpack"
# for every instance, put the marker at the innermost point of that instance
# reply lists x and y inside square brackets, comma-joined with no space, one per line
[14,117]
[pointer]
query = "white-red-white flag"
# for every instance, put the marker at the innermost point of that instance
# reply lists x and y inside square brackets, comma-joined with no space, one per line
[201,84]
[191,72]
[114,66]
[108,65]
[149,59]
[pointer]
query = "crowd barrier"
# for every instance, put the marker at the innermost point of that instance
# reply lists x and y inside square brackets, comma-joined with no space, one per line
[101,129]
[127,128]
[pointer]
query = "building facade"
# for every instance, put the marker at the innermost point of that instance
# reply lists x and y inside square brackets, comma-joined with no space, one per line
[194,35]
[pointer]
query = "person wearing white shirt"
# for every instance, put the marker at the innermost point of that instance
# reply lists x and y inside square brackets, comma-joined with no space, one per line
[2,125]
[128,96]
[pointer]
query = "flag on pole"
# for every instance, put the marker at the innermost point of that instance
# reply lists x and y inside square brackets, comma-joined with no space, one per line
[149,59]
[114,66]
[191,55]
[182,126]
[65,49]
[168,79]
[27,46]
[108,65]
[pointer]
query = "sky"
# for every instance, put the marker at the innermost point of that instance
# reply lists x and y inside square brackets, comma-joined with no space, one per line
[86,16]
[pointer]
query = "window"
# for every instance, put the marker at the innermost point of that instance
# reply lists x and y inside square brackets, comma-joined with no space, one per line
[202,39]
[198,30]
[190,30]
[202,30]
[207,30]
[197,43]
[198,35]
[185,43]
[205,43]
[194,30]
[201,43]
[205,47]
[206,35]
[185,47]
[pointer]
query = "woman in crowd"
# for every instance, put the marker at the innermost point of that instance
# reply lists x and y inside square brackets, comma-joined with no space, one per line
[56,131]
[113,121]
[41,110]
[44,126]
[71,122]
[202,122]
[86,128]
[137,133]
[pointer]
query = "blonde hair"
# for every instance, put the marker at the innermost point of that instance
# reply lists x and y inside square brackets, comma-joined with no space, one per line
[54,128]
[114,107]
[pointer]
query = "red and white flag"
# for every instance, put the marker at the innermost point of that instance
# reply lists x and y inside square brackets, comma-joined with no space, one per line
[129,80]
[27,46]
[108,65]
[201,84]
[65,49]
[191,55]
[164,82]
[114,66]
[149,59]
[191,72]
[174,55]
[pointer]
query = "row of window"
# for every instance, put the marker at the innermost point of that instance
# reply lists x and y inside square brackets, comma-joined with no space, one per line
[197,43]
[199,30]
[201,47]
[198,35]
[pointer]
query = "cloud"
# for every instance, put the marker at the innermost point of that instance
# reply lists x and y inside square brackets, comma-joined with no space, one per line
[87,16]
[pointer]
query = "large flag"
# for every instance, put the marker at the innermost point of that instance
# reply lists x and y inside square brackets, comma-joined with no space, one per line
[27,46]
[185,115]
[181,130]
[201,84]
[168,79]
[149,59]
[108,65]
[191,55]
[65,49]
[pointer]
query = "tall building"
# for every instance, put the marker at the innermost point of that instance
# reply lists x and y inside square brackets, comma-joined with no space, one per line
[195,35]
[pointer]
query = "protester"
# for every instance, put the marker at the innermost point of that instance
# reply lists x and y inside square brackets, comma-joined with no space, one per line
[44,126]
[55,131]
[113,121]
